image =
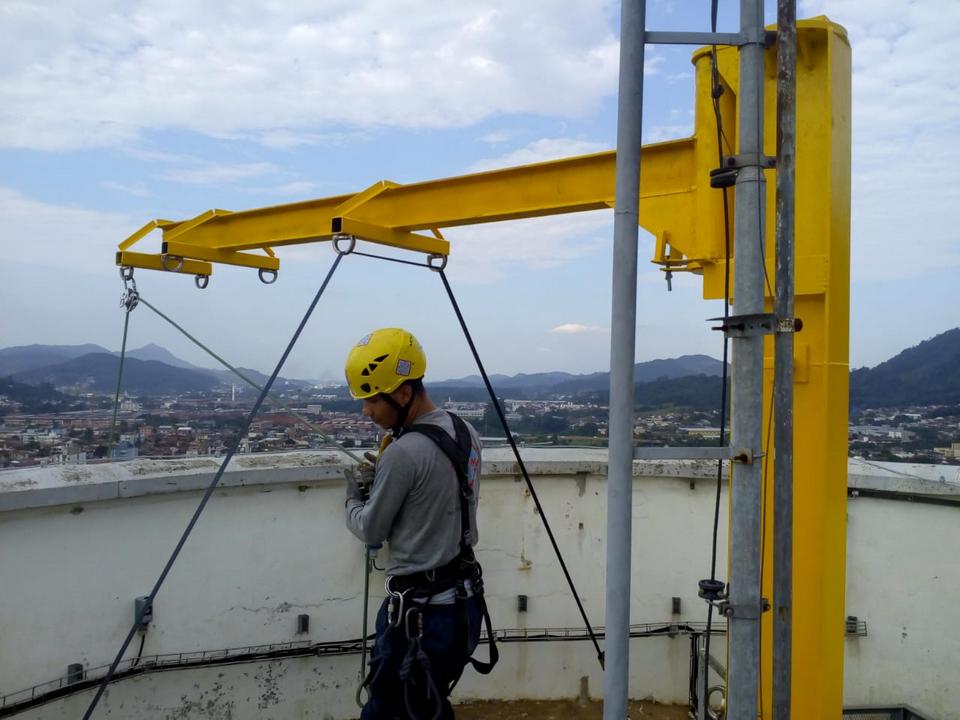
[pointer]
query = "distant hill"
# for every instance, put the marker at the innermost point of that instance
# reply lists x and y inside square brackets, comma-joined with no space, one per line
[569,383]
[227,378]
[927,374]
[97,372]
[34,398]
[160,354]
[28,357]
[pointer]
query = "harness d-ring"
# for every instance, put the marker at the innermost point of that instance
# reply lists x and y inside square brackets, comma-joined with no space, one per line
[201,281]
[352,239]
[264,274]
[436,262]
[176,268]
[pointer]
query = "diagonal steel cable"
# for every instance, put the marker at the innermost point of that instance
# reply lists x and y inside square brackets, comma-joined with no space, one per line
[116,395]
[254,384]
[209,491]
[521,465]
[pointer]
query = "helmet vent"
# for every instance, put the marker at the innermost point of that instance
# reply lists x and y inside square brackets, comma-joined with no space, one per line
[381,358]
[365,372]
[365,387]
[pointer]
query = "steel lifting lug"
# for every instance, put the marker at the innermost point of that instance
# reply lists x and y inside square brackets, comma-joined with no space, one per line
[267,277]
[436,262]
[126,273]
[351,241]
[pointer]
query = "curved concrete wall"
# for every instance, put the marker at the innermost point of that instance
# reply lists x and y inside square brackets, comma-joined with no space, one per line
[80,543]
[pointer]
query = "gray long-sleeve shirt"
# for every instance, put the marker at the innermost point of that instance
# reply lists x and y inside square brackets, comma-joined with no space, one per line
[414,503]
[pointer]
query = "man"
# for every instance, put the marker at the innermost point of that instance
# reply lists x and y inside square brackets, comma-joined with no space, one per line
[421,498]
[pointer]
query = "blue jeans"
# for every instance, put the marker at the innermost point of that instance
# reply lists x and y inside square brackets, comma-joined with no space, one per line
[450,635]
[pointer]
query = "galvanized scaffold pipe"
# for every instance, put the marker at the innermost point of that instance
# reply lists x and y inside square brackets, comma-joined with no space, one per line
[622,356]
[747,378]
[783,360]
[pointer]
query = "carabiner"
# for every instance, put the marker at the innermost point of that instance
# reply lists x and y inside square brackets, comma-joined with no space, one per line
[201,281]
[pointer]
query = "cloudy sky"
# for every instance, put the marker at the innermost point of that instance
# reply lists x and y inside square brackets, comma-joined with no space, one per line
[114,113]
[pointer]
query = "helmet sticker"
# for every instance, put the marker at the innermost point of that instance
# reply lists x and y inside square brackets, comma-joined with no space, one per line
[403,367]
[365,340]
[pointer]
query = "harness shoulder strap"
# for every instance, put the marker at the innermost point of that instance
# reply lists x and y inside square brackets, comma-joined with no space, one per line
[458,452]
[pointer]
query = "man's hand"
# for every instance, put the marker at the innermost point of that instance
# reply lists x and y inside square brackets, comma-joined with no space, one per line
[359,481]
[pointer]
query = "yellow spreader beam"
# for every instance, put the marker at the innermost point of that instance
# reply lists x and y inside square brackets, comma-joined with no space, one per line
[685,215]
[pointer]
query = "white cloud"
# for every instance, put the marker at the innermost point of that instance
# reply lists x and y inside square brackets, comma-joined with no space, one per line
[484,254]
[69,238]
[578,329]
[300,188]
[218,174]
[137,189]
[540,151]
[80,75]
[906,111]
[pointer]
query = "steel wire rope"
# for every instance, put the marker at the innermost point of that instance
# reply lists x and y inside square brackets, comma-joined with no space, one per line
[211,487]
[254,384]
[715,91]
[520,464]
[129,301]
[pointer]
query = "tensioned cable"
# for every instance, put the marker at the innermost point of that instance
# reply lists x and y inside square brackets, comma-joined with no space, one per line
[715,92]
[254,384]
[390,259]
[116,395]
[130,300]
[210,488]
[520,463]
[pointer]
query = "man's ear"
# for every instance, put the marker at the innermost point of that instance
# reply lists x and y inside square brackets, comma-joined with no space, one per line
[402,394]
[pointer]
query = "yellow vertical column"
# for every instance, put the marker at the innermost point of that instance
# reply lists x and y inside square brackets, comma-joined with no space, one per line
[821,381]
[821,375]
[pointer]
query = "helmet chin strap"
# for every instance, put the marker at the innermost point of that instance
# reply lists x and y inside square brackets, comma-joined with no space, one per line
[403,411]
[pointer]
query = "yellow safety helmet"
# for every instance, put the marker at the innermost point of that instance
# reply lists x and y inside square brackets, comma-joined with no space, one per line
[382,361]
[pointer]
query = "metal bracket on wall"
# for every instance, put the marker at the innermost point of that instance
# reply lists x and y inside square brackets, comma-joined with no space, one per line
[743,455]
[749,325]
[744,612]
[762,160]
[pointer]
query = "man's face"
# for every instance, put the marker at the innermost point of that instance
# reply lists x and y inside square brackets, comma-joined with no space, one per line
[381,412]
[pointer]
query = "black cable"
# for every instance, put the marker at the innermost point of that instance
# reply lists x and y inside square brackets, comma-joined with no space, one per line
[390,259]
[715,92]
[520,464]
[116,396]
[143,639]
[210,488]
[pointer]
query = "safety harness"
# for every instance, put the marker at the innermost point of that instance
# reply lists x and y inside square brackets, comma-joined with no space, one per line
[408,595]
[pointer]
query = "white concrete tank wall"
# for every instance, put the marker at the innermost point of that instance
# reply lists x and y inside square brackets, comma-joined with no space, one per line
[80,544]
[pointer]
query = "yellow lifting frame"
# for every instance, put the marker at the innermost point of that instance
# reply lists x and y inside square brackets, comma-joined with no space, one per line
[685,216]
